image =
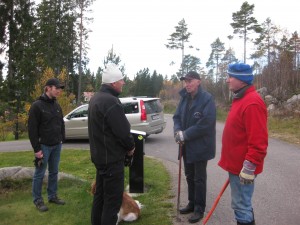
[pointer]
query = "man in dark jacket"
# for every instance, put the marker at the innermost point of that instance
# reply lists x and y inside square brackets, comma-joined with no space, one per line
[110,141]
[46,131]
[195,131]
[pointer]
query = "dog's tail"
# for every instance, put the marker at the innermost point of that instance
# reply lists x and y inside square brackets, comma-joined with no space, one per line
[139,204]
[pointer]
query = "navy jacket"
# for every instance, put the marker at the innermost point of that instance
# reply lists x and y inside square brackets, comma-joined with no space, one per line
[198,125]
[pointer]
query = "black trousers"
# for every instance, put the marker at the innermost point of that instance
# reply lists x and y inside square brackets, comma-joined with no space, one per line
[109,194]
[196,178]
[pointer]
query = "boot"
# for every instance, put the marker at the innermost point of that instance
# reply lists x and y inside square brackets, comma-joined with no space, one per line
[188,209]
[251,223]
[196,217]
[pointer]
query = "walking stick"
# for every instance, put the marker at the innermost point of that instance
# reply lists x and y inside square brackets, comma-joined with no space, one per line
[216,202]
[179,181]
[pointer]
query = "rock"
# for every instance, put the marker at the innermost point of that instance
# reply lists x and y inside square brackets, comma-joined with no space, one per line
[19,172]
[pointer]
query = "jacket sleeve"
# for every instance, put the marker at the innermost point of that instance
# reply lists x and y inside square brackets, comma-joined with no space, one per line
[206,123]
[120,126]
[63,131]
[33,127]
[257,133]
[177,118]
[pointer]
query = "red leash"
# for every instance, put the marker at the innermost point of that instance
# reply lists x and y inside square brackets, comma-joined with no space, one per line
[216,202]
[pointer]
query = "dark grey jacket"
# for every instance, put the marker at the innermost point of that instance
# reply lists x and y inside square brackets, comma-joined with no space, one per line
[109,129]
[198,124]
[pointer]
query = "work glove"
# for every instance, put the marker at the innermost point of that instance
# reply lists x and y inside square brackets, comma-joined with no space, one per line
[179,138]
[247,173]
[38,162]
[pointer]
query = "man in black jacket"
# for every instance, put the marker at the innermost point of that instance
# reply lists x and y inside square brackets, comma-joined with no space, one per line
[46,131]
[110,140]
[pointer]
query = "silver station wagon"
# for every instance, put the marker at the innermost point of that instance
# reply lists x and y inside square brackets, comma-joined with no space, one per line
[143,113]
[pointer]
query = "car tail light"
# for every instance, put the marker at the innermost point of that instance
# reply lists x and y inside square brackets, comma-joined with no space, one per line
[143,111]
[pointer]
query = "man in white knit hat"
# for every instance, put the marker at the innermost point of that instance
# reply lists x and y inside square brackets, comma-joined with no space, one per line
[110,141]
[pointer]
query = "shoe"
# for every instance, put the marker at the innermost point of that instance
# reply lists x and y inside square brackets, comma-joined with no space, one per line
[188,209]
[196,217]
[56,200]
[40,205]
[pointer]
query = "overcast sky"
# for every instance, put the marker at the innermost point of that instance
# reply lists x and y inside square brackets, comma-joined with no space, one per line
[138,29]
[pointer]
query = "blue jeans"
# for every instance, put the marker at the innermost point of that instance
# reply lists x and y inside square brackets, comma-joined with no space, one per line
[241,195]
[51,158]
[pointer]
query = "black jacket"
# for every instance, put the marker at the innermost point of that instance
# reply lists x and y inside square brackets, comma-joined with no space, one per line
[109,129]
[45,123]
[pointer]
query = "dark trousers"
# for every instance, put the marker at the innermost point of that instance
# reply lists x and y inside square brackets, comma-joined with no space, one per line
[109,194]
[196,180]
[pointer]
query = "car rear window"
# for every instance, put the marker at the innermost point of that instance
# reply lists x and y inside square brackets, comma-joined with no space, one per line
[153,106]
[130,107]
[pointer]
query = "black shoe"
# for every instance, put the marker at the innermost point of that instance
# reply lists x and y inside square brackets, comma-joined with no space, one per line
[57,201]
[40,205]
[188,209]
[196,217]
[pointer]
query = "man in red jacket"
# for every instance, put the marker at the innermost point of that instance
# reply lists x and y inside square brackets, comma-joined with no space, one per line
[244,141]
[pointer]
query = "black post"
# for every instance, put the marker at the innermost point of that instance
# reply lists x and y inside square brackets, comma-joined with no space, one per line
[136,171]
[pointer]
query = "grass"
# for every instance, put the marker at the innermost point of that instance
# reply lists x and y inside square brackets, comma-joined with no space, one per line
[285,129]
[16,205]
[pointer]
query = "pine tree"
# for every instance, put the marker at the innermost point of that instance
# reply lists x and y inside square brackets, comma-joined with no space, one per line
[215,57]
[178,39]
[244,22]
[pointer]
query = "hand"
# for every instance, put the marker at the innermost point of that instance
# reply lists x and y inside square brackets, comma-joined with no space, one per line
[39,154]
[179,138]
[131,152]
[247,173]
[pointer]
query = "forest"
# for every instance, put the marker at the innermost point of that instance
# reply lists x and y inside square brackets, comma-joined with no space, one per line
[39,41]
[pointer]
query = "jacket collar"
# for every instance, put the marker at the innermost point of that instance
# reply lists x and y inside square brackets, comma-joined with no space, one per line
[45,98]
[241,93]
[108,89]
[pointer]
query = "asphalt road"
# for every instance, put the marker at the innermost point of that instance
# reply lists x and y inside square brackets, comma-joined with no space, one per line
[276,199]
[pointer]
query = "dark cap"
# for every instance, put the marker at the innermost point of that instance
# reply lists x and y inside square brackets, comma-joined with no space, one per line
[54,82]
[190,76]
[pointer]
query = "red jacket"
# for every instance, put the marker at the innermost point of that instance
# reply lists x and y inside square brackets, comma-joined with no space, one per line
[245,134]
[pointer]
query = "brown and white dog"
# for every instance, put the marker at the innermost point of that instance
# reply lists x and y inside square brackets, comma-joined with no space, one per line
[130,208]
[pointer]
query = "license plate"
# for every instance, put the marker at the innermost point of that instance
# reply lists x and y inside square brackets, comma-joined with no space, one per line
[155,117]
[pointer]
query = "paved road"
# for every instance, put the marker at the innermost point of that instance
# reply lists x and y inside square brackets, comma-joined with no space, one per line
[277,194]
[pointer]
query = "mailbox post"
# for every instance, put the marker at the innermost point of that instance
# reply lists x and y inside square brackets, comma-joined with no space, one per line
[136,170]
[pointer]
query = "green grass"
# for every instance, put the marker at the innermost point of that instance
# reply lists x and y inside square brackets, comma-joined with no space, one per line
[285,129]
[221,115]
[16,205]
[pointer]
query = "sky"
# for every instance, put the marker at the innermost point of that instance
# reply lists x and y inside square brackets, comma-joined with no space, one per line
[138,30]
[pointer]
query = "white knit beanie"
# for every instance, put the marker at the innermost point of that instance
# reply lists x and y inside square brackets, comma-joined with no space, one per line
[111,74]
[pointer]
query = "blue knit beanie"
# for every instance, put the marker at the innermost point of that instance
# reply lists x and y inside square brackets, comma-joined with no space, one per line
[241,71]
